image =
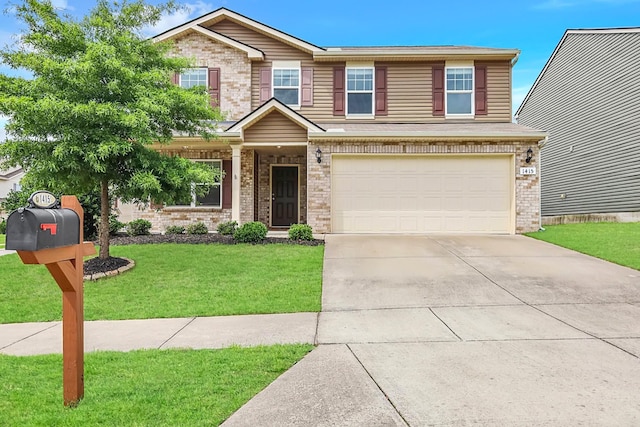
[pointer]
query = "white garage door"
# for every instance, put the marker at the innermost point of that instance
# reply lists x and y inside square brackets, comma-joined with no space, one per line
[421,194]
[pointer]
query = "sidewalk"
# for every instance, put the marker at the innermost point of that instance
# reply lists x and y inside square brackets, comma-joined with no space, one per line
[23,339]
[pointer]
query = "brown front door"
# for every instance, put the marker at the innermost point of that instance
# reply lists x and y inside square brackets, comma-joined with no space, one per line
[284,197]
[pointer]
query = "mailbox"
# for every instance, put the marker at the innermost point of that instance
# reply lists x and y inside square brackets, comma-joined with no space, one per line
[32,229]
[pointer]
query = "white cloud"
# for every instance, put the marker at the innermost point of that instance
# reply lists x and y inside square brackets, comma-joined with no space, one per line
[61,4]
[185,14]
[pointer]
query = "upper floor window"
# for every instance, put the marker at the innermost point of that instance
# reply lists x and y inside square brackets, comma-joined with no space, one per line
[193,77]
[459,90]
[286,85]
[360,90]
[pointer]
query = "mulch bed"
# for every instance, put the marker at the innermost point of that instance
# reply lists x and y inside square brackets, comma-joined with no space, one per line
[96,265]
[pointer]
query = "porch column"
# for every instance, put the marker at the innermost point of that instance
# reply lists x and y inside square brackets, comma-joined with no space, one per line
[235,182]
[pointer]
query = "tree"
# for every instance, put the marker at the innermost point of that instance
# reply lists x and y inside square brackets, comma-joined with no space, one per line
[99,95]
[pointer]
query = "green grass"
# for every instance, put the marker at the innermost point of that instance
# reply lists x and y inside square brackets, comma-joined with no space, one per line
[615,242]
[172,280]
[142,388]
[3,238]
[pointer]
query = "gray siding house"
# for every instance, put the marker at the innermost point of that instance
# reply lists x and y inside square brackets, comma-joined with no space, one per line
[587,98]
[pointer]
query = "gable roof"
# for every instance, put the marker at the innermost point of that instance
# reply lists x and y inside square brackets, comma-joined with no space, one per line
[568,33]
[268,107]
[251,52]
[223,13]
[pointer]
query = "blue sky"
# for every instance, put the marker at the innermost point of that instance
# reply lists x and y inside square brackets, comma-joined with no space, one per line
[534,27]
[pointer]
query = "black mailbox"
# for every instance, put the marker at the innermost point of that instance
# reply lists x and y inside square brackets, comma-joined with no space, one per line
[32,229]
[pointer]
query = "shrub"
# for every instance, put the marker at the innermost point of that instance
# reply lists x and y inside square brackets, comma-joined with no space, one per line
[115,225]
[197,228]
[174,229]
[250,232]
[3,226]
[300,232]
[227,228]
[138,227]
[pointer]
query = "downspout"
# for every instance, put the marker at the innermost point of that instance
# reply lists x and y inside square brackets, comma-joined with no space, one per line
[541,144]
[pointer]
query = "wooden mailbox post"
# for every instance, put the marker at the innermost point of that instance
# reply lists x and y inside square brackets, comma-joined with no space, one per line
[66,266]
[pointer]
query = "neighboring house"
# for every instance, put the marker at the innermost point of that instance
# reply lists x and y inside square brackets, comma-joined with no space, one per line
[10,180]
[588,98]
[355,139]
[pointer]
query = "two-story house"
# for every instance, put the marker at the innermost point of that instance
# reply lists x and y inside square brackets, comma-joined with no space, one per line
[390,139]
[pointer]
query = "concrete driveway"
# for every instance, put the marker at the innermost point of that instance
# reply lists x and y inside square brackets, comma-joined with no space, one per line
[464,330]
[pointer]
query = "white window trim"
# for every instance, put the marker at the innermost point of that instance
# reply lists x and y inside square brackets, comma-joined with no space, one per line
[206,75]
[472,91]
[287,65]
[193,193]
[370,115]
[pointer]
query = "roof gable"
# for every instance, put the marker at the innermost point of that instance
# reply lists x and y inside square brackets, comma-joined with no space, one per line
[266,109]
[222,14]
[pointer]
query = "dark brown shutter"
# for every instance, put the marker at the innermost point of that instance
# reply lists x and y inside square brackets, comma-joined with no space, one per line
[438,89]
[227,185]
[338,91]
[175,78]
[481,90]
[307,87]
[381,91]
[214,86]
[265,84]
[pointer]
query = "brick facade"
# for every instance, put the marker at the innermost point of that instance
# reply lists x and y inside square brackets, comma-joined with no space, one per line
[235,71]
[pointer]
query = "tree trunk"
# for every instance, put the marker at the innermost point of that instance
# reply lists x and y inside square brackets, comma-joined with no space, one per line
[103,230]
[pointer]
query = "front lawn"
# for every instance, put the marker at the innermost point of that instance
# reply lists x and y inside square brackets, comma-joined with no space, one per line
[142,388]
[615,242]
[3,238]
[176,280]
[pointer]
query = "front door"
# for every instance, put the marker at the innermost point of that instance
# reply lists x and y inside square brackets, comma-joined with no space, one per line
[284,196]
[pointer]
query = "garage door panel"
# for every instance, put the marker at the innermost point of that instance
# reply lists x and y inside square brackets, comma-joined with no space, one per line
[418,194]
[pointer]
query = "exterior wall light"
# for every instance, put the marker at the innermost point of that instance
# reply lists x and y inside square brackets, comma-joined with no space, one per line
[319,155]
[529,155]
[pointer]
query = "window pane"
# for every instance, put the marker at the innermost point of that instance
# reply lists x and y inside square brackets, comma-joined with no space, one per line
[359,79]
[210,199]
[193,77]
[287,78]
[360,103]
[458,103]
[286,96]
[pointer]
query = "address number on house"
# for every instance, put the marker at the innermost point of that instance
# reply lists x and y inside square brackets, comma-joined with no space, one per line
[527,171]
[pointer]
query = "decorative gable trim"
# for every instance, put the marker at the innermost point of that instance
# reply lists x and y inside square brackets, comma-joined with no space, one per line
[265,109]
[251,52]
[222,13]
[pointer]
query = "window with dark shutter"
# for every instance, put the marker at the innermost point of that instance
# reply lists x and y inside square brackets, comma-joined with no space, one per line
[338,91]
[214,86]
[438,89]
[265,84]
[381,91]
[481,90]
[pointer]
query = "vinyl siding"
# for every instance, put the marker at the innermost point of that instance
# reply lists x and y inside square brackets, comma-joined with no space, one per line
[589,101]
[498,92]
[409,83]
[274,128]
[273,50]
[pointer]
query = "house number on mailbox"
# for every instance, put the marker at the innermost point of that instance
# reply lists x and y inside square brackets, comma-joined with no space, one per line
[43,200]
